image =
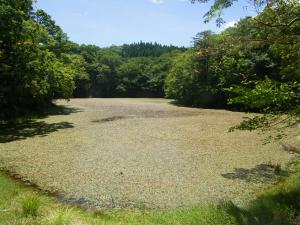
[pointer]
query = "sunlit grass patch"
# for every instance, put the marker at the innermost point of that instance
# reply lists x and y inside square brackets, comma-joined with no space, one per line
[61,217]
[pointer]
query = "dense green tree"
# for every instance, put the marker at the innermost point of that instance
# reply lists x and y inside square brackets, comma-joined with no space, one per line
[113,75]
[106,79]
[31,75]
[180,83]
[256,53]
[135,75]
[277,34]
[159,71]
[145,76]
[101,66]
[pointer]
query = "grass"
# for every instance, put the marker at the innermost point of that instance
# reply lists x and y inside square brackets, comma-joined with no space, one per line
[30,205]
[62,217]
[278,205]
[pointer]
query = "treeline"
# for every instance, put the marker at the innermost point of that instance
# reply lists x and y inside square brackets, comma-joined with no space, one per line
[108,73]
[254,65]
[38,63]
[143,49]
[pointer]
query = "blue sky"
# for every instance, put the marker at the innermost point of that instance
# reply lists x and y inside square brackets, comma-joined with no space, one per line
[115,22]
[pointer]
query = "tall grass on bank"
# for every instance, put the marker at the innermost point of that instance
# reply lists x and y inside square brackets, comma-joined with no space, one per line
[30,205]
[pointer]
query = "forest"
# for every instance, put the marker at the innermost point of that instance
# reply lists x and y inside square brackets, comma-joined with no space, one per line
[254,65]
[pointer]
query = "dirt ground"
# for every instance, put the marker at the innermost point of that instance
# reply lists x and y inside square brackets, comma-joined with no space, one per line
[114,153]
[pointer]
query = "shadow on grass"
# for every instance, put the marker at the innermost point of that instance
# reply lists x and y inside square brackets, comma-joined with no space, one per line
[279,208]
[262,173]
[27,127]
[278,205]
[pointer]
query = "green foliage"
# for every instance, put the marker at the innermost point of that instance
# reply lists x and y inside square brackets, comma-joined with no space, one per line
[253,66]
[216,10]
[180,83]
[252,123]
[195,78]
[268,95]
[142,77]
[111,74]
[32,72]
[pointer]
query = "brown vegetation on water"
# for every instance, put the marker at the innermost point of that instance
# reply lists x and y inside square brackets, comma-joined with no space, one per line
[113,153]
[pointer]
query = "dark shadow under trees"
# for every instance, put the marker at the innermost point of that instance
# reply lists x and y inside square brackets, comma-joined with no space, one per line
[278,205]
[57,110]
[29,126]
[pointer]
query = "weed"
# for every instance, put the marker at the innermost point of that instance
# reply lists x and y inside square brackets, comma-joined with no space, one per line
[62,217]
[30,205]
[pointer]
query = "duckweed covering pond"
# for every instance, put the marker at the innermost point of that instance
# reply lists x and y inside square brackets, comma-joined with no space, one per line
[116,153]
